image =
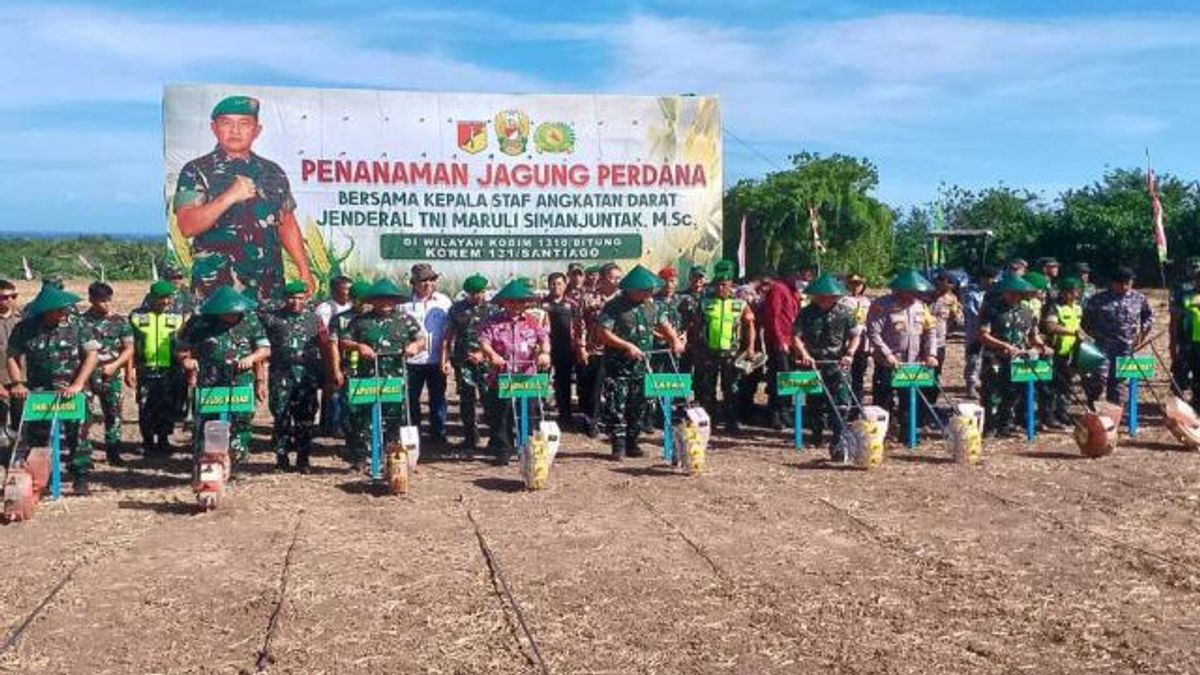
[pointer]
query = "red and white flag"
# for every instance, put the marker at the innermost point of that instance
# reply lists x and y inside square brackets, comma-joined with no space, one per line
[1156,209]
[741,251]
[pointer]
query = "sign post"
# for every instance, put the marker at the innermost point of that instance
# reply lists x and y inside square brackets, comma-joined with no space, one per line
[1030,372]
[798,384]
[912,376]
[49,406]
[523,388]
[375,391]
[665,387]
[1135,369]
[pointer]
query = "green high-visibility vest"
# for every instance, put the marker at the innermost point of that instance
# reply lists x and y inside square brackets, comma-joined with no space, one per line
[722,320]
[154,333]
[1069,317]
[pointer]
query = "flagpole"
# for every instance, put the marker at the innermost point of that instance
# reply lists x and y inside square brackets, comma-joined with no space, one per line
[1152,181]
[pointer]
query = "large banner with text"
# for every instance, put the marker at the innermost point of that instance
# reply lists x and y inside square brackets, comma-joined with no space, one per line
[266,185]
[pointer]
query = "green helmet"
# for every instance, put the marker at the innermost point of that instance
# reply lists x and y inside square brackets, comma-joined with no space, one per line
[826,284]
[162,289]
[912,281]
[516,290]
[49,299]
[1012,283]
[385,288]
[225,300]
[476,283]
[1038,281]
[640,279]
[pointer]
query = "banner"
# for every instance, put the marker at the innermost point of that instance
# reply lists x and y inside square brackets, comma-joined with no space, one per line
[335,181]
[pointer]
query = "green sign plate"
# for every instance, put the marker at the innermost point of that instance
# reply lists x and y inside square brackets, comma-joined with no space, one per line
[1031,370]
[909,375]
[370,390]
[395,246]
[667,385]
[1135,367]
[798,382]
[43,406]
[217,400]
[524,386]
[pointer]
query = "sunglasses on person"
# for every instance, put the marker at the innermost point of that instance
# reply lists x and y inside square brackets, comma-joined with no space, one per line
[8,296]
[854,282]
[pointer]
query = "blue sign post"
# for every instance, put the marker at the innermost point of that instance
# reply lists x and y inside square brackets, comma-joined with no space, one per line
[666,387]
[523,388]
[1135,369]
[1030,372]
[910,376]
[798,384]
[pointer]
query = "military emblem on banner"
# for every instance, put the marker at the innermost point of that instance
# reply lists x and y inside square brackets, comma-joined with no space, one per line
[554,137]
[512,131]
[472,136]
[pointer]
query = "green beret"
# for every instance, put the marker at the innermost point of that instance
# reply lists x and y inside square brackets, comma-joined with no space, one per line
[475,283]
[698,271]
[49,299]
[385,288]
[295,288]
[1037,280]
[1070,284]
[723,265]
[594,269]
[225,300]
[236,105]
[162,289]
[640,279]
[1012,283]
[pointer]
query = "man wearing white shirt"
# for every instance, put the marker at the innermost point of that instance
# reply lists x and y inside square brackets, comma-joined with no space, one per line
[332,405]
[339,299]
[428,369]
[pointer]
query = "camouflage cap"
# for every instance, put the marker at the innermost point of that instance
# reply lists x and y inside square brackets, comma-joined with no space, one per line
[49,299]
[640,279]
[422,272]
[295,288]
[225,300]
[170,271]
[236,105]
[476,283]
[162,289]
[574,267]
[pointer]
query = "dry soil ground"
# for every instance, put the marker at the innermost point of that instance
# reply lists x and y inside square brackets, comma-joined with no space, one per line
[774,561]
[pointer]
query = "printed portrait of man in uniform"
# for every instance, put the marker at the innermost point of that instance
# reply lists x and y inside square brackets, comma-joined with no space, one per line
[237,208]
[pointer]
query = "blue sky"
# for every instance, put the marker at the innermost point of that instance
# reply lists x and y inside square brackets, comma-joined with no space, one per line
[1044,95]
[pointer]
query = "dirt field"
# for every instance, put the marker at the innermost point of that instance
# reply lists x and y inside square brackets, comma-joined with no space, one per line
[774,562]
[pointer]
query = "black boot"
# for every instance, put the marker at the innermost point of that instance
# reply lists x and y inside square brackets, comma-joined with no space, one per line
[302,463]
[114,458]
[80,486]
[777,423]
[618,447]
[281,461]
[632,449]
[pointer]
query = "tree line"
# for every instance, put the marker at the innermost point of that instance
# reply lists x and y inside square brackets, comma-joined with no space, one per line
[1105,224]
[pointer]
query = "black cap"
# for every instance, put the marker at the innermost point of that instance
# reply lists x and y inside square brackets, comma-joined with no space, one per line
[1082,268]
[1124,273]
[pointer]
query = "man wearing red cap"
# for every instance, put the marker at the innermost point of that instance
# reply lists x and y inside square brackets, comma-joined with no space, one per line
[778,314]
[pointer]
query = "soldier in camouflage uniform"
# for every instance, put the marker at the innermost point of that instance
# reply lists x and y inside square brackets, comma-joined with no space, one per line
[1182,345]
[721,324]
[588,345]
[58,354]
[10,415]
[947,311]
[825,337]
[220,347]
[1118,318]
[239,210]
[629,324]
[1007,329]
[688,302]
[294,375]
[667,301]
[115,336]
[182,300]
[513,341]
[160,383]
[379,341]
[462,347]
[900,329]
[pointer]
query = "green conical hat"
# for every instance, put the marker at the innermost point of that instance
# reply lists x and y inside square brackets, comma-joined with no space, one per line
[640,279]
[49,299]
[1037,280]
[912,281]
[826,284]
[516,289]
[1014,284]
[385,288]
[225,300]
